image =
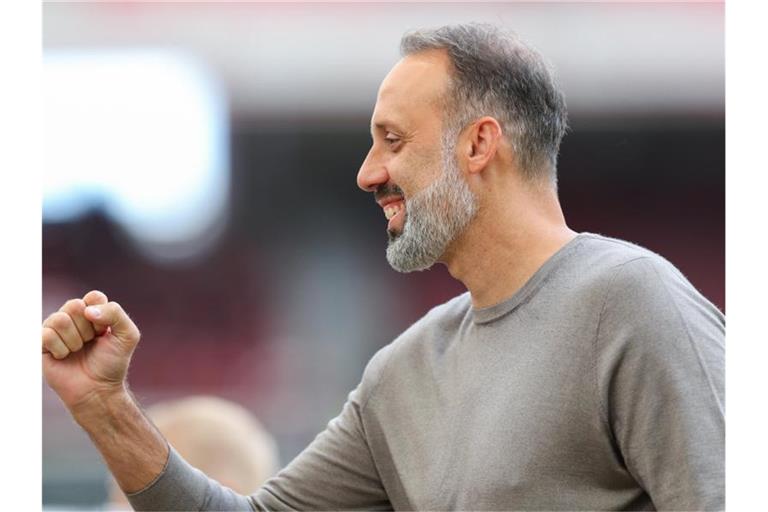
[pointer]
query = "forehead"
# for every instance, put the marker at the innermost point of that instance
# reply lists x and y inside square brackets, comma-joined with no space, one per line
[414,87]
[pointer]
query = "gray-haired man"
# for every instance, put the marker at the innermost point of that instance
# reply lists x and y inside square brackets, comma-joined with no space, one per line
[578,372]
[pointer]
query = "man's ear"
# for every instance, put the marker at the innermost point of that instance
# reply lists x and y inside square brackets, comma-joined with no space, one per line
[484,136]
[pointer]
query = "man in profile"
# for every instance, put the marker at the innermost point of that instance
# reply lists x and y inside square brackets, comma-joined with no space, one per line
[578,372]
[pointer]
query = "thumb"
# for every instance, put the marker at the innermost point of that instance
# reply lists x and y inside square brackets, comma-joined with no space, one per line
[113,316]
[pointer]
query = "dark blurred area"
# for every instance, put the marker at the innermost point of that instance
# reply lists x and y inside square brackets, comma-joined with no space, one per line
[283,311]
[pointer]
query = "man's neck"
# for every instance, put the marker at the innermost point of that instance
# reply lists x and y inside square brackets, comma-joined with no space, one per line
[500,251]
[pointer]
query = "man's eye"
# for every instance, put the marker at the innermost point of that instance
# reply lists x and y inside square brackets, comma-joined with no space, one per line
[391,139]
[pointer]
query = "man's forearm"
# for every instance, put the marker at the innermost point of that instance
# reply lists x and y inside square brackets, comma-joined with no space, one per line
[133,449]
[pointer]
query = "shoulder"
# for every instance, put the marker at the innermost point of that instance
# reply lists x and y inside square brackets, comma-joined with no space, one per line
[606,254]
[647,303]
[626,269]
[631,287]
[639,279]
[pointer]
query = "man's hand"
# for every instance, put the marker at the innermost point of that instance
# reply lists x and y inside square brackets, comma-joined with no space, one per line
[87,346]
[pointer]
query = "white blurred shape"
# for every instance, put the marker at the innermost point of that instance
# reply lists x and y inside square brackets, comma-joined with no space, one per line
[142,134]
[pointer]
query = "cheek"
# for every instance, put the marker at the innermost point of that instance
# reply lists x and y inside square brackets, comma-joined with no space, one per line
[415,170]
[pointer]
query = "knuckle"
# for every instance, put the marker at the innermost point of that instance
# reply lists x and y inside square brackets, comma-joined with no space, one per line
[118,316]
[53,344]
[48,319]
[118,312]
[59,320]
[73,306]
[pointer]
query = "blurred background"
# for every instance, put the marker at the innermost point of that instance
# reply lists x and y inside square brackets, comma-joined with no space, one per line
[200,169]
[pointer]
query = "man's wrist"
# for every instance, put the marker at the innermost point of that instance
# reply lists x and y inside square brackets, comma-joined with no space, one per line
[134,450]
[102,404]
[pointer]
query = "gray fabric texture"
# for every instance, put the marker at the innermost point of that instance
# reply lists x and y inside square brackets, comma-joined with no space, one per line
[598,386]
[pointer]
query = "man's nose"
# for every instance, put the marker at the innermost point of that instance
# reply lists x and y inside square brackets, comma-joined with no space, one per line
[371,174]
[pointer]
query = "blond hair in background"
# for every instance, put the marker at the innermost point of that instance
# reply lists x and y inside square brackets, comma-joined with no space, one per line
[220,438]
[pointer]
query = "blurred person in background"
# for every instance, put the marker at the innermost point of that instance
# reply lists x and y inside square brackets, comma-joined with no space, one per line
[217,436]
[577,372]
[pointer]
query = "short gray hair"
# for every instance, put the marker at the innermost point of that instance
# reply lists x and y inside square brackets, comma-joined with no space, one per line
[496,74]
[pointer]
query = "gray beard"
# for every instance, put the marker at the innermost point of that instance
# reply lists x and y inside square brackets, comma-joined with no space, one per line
[434,218]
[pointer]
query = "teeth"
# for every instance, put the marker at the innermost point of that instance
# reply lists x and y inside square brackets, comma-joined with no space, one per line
[391,211]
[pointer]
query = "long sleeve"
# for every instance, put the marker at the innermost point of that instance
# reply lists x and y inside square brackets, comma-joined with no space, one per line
[336,471]
[182,487]
[660,355]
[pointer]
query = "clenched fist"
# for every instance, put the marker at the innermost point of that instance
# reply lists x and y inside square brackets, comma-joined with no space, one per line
[87,346]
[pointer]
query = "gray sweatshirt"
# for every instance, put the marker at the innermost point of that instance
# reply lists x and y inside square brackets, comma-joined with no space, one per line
[599,385]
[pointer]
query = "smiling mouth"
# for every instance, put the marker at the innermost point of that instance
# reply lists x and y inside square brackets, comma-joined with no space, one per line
[393,209]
